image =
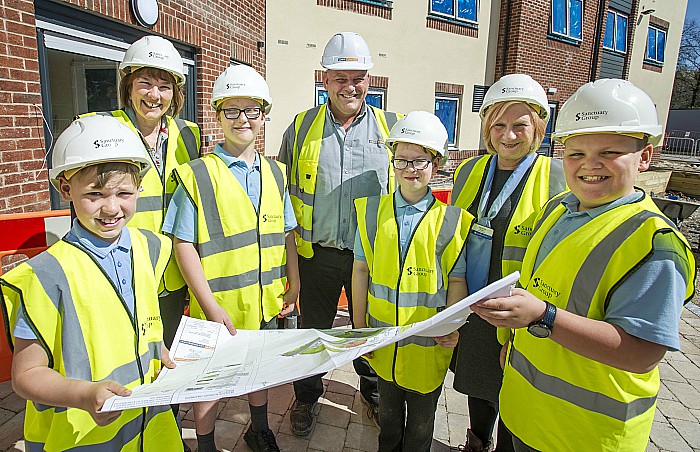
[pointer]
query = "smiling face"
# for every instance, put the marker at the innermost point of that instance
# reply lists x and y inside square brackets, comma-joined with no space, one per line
[151,96]
[103,209]
[239,133]
[512,135]
[346,91]
[601,168]
[413,183]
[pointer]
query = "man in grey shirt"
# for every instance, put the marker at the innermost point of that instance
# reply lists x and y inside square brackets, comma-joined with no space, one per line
[334,153]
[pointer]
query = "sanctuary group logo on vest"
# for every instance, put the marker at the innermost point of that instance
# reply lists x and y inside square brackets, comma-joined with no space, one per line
[419,271]
[269,218]
[546,289]
[520,229]
[148,323]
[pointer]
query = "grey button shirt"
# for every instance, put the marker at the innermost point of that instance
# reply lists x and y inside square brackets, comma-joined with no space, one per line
[352,164]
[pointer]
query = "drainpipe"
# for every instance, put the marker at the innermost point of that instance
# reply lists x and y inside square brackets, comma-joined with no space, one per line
[506,31]
[596,42]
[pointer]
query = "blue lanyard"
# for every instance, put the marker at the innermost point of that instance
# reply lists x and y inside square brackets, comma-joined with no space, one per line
[511,184]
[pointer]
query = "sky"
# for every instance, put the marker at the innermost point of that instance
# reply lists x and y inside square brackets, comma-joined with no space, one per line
[693,11]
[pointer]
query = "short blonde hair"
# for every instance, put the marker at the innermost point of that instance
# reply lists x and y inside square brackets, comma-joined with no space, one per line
[109,170]
[497,110]
[127,82]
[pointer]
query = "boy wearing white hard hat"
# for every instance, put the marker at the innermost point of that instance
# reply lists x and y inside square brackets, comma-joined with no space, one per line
[80,313]
[604,279]
[231,217]
[410,264]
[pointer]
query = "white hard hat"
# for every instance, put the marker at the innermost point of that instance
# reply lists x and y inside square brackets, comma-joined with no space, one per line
[96,139]
[347,51]
[608,106]
[155,52]
[517,87]
[421,128]
[241,81]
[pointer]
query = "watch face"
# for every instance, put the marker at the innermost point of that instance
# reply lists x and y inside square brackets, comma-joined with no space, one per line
[539,330]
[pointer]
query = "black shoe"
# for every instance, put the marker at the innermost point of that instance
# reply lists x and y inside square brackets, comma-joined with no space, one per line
[302,418]
[261,441]
[372,410]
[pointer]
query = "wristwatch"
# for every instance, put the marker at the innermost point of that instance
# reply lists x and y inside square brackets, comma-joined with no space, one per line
[543,328]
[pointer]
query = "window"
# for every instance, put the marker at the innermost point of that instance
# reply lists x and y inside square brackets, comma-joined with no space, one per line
[462,10]
[546,146]
[566,18]
[447,109]
[656,45]
[375,96]
[616,32]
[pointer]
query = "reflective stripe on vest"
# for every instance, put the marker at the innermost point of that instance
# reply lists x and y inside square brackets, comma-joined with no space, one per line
[230,232]
[404,292]
[612,406]
[545,179]
[308,126]
[94,338]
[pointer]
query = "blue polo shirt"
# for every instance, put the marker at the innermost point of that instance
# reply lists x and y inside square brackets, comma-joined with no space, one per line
[113,258]
[407,218]
[181,218]
[649,302]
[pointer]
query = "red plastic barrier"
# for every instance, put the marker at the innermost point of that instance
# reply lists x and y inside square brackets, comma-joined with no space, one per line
[26,234]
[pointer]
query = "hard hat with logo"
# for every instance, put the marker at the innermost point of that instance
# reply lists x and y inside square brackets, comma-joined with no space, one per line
[421,128]
[347,51]
[609,106]
[517,87]
[241,81]
[96,139]
[155,52]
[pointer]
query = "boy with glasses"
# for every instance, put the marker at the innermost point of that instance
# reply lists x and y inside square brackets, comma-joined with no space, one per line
[232,221]
[409,264]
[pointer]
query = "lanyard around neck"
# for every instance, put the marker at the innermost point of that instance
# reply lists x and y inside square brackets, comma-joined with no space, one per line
[484,218]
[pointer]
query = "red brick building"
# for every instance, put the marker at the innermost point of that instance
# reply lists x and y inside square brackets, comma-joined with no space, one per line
[60,58]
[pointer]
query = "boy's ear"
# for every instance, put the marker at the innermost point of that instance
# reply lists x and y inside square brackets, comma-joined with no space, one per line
[64,189]
[645,157]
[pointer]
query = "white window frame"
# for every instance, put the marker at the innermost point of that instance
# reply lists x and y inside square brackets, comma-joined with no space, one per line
[614,48]
[457,98]
[566,35]
[656,43]
[454,15]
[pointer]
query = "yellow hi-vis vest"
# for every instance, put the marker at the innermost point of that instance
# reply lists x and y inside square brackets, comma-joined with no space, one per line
[553,398]
[308,134]
[402,292]
[88,334]
[242,252]
[184,144]
[545,180]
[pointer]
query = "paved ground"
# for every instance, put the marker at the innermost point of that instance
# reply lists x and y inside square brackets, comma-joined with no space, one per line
[343,425]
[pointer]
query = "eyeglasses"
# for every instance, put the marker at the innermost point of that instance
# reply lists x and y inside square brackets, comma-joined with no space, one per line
[417,164]
[234,113]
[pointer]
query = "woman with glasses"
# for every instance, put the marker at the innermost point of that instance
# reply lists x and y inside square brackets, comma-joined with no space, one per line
[233,224]
[504,190]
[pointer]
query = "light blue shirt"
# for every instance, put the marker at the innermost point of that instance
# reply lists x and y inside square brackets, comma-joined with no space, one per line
[181,218]
[649,302]
[407,217]
[113,258]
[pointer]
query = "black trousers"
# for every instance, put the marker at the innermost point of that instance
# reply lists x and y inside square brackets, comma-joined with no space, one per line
[172,307]
[322,279]
[406,418]
[482,418]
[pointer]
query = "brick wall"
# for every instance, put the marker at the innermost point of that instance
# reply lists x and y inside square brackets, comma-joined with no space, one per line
[554,63]
[219,29]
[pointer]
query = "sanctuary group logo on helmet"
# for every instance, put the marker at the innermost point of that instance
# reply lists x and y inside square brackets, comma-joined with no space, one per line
[512,90]
[158,56]
[408,131]
[108,142]
[590,115]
